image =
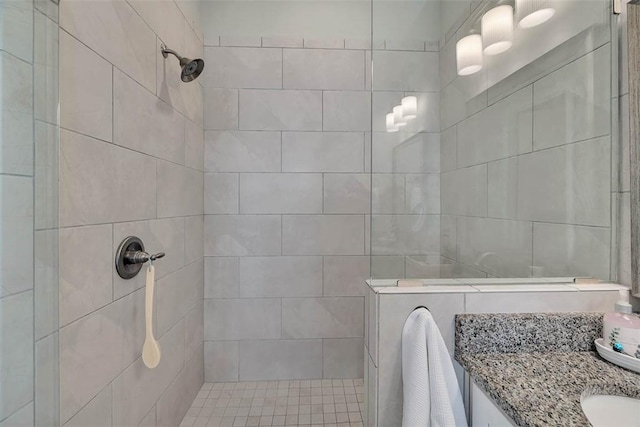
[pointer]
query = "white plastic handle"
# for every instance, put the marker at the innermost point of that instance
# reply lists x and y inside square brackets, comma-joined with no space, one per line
[150,349]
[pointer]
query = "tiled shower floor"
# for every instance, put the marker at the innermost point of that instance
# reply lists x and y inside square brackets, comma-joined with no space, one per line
[336,403]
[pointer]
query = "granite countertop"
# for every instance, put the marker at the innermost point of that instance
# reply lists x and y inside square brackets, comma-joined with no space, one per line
[535,367]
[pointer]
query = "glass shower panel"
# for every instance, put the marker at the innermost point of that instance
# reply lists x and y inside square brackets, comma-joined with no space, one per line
[505,172]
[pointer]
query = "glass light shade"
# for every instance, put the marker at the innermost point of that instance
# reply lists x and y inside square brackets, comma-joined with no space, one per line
[391,126]
[530,13]
[469,55]
[398,119]
[497,30]
[409,107]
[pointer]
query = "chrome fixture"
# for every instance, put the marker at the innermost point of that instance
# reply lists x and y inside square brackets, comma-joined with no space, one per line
[131,255]
[191,68]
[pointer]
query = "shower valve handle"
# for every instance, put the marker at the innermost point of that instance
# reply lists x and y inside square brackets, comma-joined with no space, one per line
[141,257]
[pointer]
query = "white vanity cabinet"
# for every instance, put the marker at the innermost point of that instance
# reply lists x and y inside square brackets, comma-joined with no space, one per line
[484,412]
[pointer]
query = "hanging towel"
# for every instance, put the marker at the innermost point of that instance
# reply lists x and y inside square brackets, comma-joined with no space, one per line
[431,393]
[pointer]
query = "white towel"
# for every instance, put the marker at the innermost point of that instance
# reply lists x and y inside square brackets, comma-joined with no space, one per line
[431,393]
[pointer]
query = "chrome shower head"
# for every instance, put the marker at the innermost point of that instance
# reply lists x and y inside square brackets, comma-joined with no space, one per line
[191,68]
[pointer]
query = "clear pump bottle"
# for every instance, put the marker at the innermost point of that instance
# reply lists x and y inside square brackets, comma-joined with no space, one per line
[622,328]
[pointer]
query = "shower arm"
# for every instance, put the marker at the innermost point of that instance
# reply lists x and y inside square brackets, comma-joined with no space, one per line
[166,51]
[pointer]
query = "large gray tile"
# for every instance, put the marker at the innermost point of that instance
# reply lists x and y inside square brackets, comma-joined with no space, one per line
[180,190]
[448,236]
[194,331]
[242,319]
[406,71]
[342,358]
[221,277]
[242,235]
[287,193]
[388,193]
[85,275]
[539,302]
[347,193]
[323,69]
[221,360]
[422,194]
[280,110]
[345,275]
[323,235]
[144,123]
[322,152]
[330,317]
[164,18]
[23,417]
[242,151]
[46,282]
[221,193]
[502,188]
[85,92]
[193,145]
[95,178]
[280,277]
[405,234]
[242,67]
[464,191]
[96,413]
[346,111]
[176,294]
[47,171]
[448,149]
[221,109]
[280,359]
[401,152]
[193,238]
[17,30]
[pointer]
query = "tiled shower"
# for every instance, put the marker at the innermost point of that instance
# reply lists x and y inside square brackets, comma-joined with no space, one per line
[275,188]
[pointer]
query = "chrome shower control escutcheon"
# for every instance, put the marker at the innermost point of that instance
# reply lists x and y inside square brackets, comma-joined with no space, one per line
[131,255]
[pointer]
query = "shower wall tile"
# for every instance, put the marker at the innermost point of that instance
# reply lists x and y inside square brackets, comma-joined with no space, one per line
[280,110]
[221,360]
[280,193]
[242,235]
[323,69]
[142,123]
[96,413]
[243,152]
[47,157]
[401,152]
[336,317]
[240,41]
[180,190]
[282,41]
[221,193]
[406,71]
[422,194]
[193,145]
[502,188]
[159,16]
[464,191]
[322,152]
[323,234]
[221,277]
[177,294]
[343,358]
[346,111]
[93,175]
[47,390]
[388,193]
[83,290]
[86,91]
[237,67]
[220,109]
[117,33]
[193,238]
[17,31]
[345,275]
[194,333]
[280,360]
[46,282]
[405,234]
[347,193]
[22,417]
[242,319]
[280,276]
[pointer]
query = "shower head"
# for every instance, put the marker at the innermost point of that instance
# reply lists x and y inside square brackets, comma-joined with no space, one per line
[191,68]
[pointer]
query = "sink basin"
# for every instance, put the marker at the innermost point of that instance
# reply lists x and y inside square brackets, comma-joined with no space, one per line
[606,411]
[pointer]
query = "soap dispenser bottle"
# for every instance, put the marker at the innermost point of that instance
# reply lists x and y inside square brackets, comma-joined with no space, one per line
[622,328]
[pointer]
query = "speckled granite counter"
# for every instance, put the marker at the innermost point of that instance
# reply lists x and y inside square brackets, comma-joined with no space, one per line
[535,367]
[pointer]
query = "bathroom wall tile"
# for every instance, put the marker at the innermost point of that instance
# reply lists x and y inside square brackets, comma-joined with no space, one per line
[221,193]
[560,250]
[336,317]
[448,68]
[143,123]
[448,149]
[539,302]
[347,193]
[323,235]
[623,275]
[422,267]
[358,43]
[16,247]
[242,151]
[405,234]
[241,67]
[462,98]
[193,145]
[242,235]
[242,319]
[48,8]
[280,110]
[96,413]
[221,361]
[47,168]
[567,184]
[280,276]
[85,275]
[130,44]
[92,176]
[282,41]
[502,188]
[406,153]
[323,43]
[382,104]
[108,340]
[268,193]
[342,358]
[346,111]
[387,267]
[221,277]
[406,71]
[388,193]
[136,390]
[176,400]
[46,282]
[20,418]
[221,109]
[16,36]
[448,236]
[240,41]
[505,129]
[464,191]
[149,420]
[428,118]
[280,360]
[17,115]
[161,17]
[322,152]
[194,332]
[422,194]
[323,69]
[161,235]
[573,103]
[180,190]
[345,275]
[16,352]
[194,238]
[176,294]
[497,247]
[85,92]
